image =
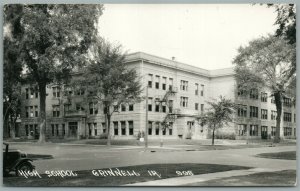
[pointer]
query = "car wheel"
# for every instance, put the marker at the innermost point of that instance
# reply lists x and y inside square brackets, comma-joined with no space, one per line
[25,167]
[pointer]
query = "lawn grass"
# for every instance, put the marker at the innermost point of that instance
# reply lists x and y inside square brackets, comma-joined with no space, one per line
[86,178]
[288,155]
[278,178]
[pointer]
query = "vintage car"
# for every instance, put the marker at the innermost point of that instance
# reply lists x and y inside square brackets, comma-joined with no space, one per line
[15,161]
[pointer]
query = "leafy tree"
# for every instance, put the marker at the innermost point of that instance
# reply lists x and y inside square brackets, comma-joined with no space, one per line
[267,62]
[11,87]
[109,81]
[220,113]
[53,38]
[286,21]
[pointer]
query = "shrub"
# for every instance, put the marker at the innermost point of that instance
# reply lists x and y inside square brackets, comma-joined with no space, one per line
[188,135]
[103,136]
[222,135]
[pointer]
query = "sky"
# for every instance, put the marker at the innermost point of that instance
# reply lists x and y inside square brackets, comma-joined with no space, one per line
[202,35]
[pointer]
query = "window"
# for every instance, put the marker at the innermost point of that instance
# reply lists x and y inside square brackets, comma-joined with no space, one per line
[254,94]
[253,111]
[63,130]
[36,94]
[184,85]
[170,106]
[157,78]
[202,108]
[287,117]
[196,89]
[116,128]
[80,92]
[242,130]
[56,91]
[157,128]
[273,100]
[287,102]
[242,110]
[264,97]
[164,107]
[55,110]
[294,118]
[202,90]
[164,83]
[184,101]
[273,131]
[31,111]
[264,114]
[150,99]
[67,107]
[90,129]
[68,91]
[253,130]
[242,93]
[79,107]
[170,83]
[95,129]
[130,127]
[287,131]
[150,79]
[157,105]
[273,115]
[170,128]
[31,93]
[36,111]
[52,129]
[103,127]
[149,127]
[123,107]
[26,130]
[57,130]
[123,127]
[93,106]
[26,112]
[27,93]
[197,106]
[130,108]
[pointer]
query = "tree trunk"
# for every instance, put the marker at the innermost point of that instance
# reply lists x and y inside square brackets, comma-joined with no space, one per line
[108,128]
[213,137]
[12,128]
[42,122]
[278,102]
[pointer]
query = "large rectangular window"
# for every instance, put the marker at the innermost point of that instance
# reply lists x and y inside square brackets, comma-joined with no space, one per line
[202,108]
[287,102]
[157,79]
[170,128]
[93,106]
[123,127]
[184,101]
[31,111]
[157,105]
[157,128]
[164,83]
[287,117]
[27,93]
[196,89]
[150,100]
[242,110]
[253,112]
[171,84]
[184,85]
[242,129]
[55,110]
[273,131]
[150,80]
[149,127]
[253,130]
[287,131]
[56,91]
[273,115]
[197,106]
[264,97]
[264,114]
[36,111]
[26,112]
[254,94]
[130,127]
[202,90]
[130,107]
[116,128]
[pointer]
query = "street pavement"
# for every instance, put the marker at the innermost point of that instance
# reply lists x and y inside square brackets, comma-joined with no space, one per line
[88,157]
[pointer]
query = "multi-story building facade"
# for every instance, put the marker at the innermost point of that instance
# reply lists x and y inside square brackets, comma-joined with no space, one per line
[177,94]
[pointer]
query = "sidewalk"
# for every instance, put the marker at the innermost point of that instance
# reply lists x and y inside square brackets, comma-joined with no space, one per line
[179,181]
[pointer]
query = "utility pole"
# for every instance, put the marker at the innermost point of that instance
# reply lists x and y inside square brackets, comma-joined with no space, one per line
[146,131]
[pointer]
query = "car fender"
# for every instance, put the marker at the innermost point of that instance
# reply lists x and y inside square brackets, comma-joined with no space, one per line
[22,160]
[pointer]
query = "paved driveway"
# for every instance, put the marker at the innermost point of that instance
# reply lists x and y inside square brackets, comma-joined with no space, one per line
[85,157]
